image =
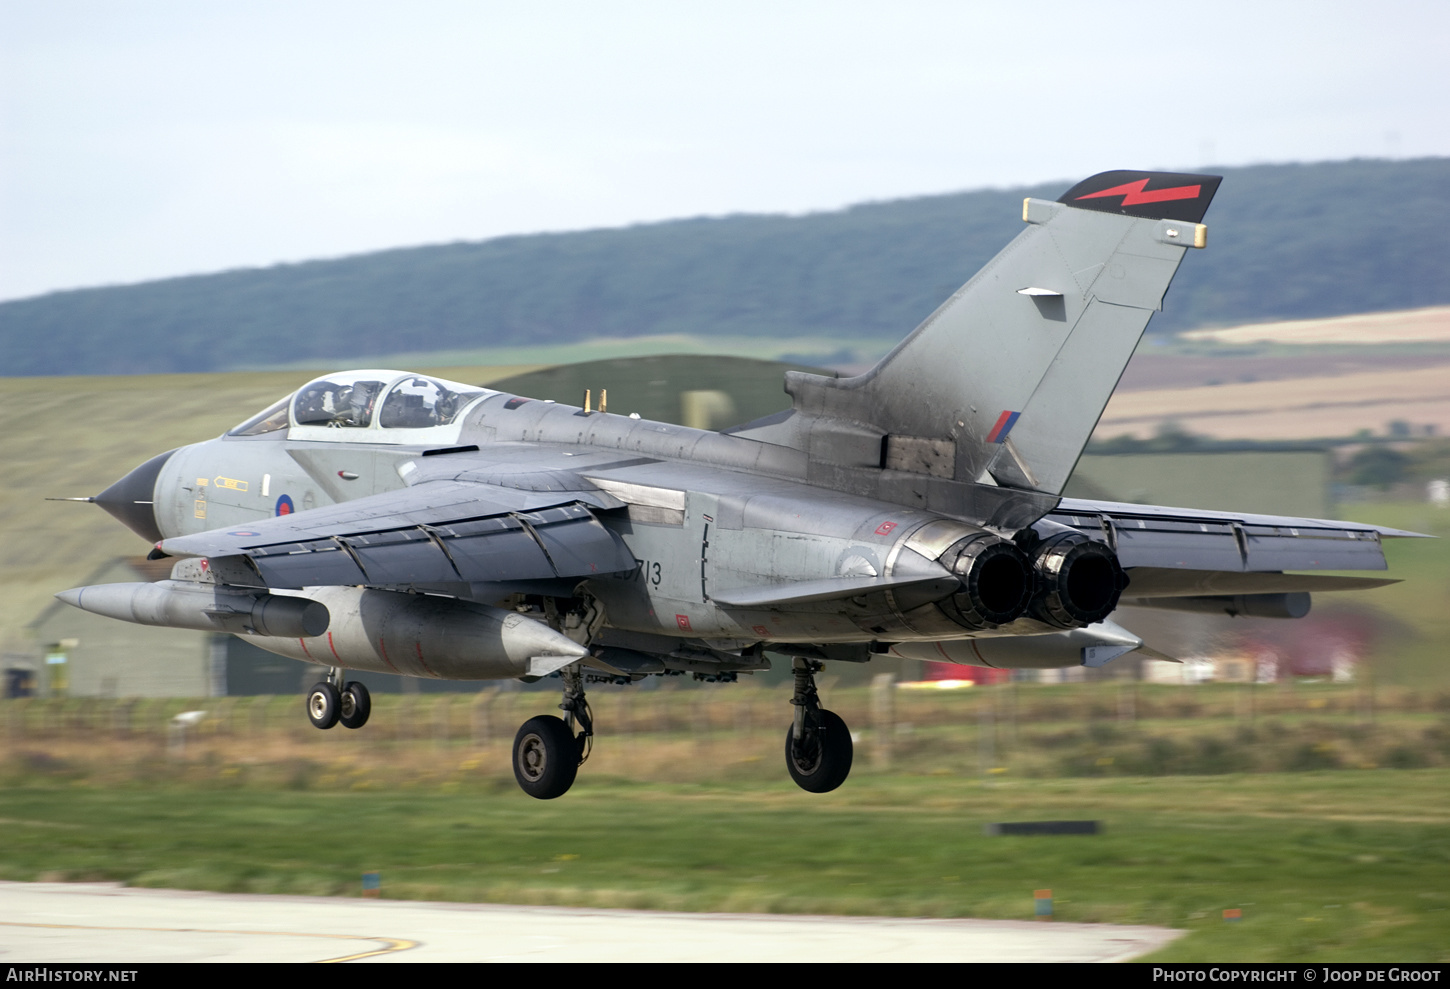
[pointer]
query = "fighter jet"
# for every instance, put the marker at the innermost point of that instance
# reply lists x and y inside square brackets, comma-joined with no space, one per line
[388,522]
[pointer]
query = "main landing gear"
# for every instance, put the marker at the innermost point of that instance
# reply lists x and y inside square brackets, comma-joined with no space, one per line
[818,747]
[547,752]
[331,700]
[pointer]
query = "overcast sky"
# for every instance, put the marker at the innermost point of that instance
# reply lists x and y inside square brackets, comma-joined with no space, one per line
[141,140]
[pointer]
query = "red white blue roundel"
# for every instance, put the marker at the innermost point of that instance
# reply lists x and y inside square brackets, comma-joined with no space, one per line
[285,506]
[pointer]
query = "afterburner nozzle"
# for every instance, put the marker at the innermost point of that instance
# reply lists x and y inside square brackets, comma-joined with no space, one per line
[1080,578]
[996,581]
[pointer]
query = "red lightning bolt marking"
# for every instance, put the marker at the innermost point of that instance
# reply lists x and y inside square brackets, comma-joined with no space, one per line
[1133,193]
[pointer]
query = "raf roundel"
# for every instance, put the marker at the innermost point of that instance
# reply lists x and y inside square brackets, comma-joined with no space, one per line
[285,506]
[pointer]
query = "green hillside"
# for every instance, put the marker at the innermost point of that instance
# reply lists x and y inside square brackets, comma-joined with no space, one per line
[1286,241]
[704,392]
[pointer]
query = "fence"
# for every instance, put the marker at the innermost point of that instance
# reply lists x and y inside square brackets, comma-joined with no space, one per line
[734,731]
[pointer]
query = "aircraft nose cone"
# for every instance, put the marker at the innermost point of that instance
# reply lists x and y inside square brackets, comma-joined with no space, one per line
[130,499]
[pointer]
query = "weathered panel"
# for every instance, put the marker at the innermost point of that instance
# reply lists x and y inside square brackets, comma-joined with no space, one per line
[921,455]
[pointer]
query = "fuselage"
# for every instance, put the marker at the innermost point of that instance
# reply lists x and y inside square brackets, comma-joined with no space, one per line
[708,516]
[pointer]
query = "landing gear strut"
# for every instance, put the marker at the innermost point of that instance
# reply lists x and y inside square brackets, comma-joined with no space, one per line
[331,700]
[547,752]
[818,746]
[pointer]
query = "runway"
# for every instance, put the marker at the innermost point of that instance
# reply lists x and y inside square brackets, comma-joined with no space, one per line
[102,922]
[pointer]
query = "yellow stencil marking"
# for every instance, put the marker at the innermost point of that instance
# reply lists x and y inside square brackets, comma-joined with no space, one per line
[391,944]
[230,482]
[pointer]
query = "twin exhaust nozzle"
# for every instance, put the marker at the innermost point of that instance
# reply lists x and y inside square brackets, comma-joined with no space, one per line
[1065,580]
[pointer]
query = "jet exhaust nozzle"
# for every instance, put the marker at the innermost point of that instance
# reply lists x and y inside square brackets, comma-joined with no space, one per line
[204,607]
[996,581]
[1080,580]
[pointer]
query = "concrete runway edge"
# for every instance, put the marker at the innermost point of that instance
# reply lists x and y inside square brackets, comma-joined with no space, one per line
[104,922]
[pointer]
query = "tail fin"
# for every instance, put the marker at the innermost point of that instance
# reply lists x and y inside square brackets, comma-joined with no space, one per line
[1005,382]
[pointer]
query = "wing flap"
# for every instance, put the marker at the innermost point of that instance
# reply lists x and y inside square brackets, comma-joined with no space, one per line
[1171,543]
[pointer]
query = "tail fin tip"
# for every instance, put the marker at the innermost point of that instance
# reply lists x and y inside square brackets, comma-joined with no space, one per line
[1182,196]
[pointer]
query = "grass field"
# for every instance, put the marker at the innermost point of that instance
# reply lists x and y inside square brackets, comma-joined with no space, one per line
[684,806]
[1430,325]
[1325,866]
[816,349]
[1419,652]
[1295,408]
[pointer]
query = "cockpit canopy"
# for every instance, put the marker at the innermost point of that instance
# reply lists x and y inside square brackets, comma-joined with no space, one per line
[366,400]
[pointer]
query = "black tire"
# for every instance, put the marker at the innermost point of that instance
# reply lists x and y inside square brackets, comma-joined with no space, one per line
[356,706]
[822,761]
[324,704]
[546,757]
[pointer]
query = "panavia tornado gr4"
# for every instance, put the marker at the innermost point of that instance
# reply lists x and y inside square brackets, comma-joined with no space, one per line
[397,523]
